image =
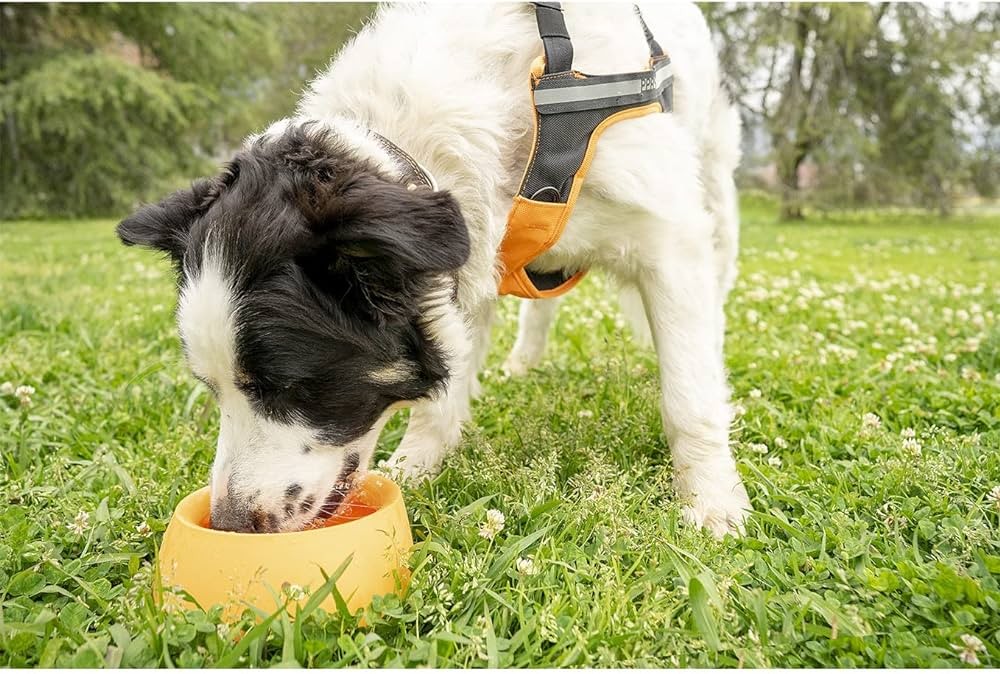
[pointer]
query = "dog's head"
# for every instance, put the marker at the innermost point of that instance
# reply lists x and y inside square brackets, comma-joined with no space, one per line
[306,279]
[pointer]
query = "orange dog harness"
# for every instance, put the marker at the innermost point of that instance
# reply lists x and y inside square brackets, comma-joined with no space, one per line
[571,112]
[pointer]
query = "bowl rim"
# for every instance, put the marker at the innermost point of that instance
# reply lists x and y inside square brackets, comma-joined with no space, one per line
[182,518]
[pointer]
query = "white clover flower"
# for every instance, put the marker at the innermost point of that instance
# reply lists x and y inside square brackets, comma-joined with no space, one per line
[885,510]
[950,358]
[79,523]
[24,394]
[143,529]
[222,629]
[912,446]
[994,496]
[908,433]
[585,414]
[870,422]
[970,374]
[774,461]
[755,393]
[294,592]
[780,443]
[172,600]
[972,344]
[969,647]
[495,518]
[526,566]
[758,447]
[494,524]
[7,388]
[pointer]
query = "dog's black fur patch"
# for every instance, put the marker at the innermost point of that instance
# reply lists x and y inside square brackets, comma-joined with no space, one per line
[330,263]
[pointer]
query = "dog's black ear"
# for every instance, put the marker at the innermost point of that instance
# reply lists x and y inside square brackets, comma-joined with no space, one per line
[410,232]
[377,242]
[165,225]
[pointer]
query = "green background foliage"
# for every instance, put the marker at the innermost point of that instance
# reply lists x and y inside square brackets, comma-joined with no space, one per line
[109,104]
[104,105]
[895,102]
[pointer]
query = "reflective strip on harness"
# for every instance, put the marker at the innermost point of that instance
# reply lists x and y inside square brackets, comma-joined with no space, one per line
[621,90]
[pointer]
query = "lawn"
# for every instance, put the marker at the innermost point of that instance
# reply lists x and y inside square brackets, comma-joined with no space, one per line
[864,354]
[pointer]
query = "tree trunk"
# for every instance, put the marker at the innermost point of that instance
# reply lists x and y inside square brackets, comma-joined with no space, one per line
[788,132]
[10,124]
[788,174]
[941,196]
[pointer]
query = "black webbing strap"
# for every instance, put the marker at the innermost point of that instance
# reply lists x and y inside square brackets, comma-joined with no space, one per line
[654,46]
[555,37]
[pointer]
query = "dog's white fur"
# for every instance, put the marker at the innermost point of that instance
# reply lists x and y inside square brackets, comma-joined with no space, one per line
[449,84]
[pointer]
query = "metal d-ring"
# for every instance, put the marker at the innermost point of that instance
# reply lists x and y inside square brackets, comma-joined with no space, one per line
[544,190]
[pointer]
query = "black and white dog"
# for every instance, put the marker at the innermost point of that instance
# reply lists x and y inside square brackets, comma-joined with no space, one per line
[319,292]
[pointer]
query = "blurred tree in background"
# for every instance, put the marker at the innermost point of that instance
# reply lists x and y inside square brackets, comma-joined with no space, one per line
[895,103]
[106,104]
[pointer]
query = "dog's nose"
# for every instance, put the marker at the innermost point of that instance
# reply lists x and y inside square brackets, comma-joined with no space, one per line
[231,515]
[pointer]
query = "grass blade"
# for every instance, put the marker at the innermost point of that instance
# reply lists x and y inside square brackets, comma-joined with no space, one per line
[704,621]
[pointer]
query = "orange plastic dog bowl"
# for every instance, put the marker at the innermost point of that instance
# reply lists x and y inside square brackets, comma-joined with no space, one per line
[239,570]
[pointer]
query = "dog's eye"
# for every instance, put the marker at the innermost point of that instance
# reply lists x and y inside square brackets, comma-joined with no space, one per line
[358,250]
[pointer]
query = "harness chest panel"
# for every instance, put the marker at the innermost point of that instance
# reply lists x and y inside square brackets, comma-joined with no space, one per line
[571,111]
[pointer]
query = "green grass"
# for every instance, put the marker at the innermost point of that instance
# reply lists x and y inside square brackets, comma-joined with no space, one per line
[864,550]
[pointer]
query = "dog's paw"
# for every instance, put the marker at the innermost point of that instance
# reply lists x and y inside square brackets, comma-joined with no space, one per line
[719,510]
[411,465]
[519,364]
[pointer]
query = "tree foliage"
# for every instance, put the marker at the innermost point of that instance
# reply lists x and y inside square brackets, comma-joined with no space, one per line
[92,133]
[895,102]
[106,104]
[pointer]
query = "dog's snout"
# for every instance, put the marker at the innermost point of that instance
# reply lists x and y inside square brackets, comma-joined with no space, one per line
[231,515]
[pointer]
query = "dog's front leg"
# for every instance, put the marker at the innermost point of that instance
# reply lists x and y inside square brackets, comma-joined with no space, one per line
[680,296]
[534,320]
[434,427]
[435,424]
